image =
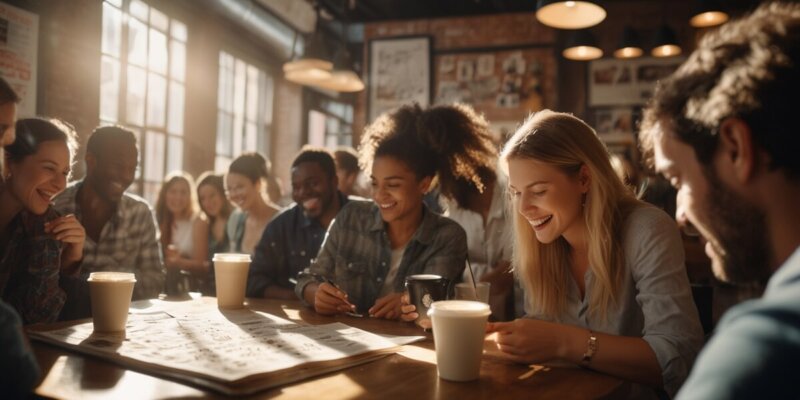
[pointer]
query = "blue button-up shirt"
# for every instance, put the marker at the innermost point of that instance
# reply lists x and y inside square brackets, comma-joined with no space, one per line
[356,253]
[289,243]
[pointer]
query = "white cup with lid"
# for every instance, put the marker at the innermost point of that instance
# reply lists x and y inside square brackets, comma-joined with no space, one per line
[111,294]
[459,328]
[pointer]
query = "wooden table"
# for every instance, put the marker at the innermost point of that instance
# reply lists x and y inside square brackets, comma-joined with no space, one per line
[409,374]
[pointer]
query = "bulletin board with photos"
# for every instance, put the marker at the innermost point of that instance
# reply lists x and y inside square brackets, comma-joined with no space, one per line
[505,85]
[618,89]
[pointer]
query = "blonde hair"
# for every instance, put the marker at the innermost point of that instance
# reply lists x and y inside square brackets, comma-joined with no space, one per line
[163,215]
[568,144]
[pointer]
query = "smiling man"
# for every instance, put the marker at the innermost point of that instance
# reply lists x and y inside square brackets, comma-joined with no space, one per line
[723,130]
[121,232]
[295,235]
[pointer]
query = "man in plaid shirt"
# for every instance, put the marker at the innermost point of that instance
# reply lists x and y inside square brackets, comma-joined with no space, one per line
[121,232]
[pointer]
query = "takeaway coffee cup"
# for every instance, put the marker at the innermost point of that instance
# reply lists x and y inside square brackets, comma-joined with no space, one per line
[230,274]
[423,290]
[111,294]
[458,333]
[479,292]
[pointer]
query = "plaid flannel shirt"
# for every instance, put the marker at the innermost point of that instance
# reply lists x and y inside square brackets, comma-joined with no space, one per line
[129,242]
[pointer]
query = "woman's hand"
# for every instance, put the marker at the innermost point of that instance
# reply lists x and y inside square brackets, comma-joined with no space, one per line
[387,307]
[68,230]
[329,300]
[530,341]
[408,313]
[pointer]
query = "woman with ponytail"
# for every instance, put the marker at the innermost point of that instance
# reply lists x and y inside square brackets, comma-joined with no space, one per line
[371,247]
[603,273]
[246,184]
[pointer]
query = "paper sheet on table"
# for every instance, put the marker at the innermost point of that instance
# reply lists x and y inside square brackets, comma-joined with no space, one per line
[228,345]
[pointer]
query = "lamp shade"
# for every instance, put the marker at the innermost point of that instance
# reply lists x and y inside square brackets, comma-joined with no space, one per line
[629,45]
[582,46]
[665,43]
[569,14]
[708,13]
[343,78]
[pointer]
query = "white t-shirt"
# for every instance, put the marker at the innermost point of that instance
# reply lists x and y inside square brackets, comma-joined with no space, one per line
[394,266]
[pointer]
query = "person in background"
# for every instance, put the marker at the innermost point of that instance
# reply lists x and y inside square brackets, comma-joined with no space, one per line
[246,182]
[184,234]
[122,233]
[371,247]
[39,244]
[348,171]
[603,273]
[18,367]
[722,129]
[216,208]
[294,237]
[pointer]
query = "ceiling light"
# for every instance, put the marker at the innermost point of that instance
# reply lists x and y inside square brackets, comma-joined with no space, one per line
[569,14]
[629,46]
[582,46]
[666,43]
[708,13]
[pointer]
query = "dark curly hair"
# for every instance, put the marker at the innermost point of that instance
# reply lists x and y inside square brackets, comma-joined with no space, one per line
[747,69]
[451,142]
[252,165]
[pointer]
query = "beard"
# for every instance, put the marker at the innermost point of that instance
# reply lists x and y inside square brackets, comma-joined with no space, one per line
[740,230]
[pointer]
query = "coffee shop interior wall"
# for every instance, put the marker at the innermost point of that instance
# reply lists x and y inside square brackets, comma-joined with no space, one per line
[69,76]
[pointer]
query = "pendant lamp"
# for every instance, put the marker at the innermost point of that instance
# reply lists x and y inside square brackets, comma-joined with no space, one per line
[569,14]
[708,13]
[582,46]
[666,43]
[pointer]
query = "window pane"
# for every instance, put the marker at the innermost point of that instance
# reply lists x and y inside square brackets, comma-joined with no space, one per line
[175,156]
[158,20]
[179,30]
[252,93]
[221,164]
[224,140]
[269,86]
[177,69]
[117,3]
[137,42]
[109,89]
[238,132]
[151,191]
[154,157]
[156,100]
[112,30]
[137,83]
[250,137]
[175,119]
[158,52]
[238,87]
[139,10]
[316,128]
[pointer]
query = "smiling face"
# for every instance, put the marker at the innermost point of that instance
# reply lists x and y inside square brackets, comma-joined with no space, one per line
[735,231]
[242,192]
[113,170]
[312,188]
[396,189]
[549,199]
[211,200]
[178,197]
[37,178]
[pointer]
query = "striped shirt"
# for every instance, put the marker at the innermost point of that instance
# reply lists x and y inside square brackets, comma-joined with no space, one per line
[356,253]
[129,242]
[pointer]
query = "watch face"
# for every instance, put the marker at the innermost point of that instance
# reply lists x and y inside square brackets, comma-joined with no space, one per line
[427,300]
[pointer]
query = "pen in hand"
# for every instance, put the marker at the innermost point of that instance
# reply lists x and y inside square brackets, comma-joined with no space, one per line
[341,295]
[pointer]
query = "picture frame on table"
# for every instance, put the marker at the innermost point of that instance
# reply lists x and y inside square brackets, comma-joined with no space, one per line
[399,73]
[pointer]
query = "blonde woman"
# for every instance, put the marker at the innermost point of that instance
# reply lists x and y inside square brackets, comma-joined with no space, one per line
[184,232]
[603,273]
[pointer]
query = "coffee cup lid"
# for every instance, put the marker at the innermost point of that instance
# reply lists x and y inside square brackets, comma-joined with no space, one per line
[236,257]
[112,277]
[459,308]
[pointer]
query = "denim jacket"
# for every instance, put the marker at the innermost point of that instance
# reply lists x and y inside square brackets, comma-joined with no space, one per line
[356,253]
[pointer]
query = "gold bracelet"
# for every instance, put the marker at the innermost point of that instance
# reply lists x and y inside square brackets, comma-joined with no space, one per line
[591,349]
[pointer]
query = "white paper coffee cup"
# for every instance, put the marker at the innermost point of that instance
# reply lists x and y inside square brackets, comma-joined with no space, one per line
[459,328]
[111,294]
[230,272]
[479,292]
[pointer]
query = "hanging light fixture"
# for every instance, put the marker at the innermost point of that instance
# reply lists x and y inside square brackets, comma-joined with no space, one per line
[569,14]
[666,43]
[708,13]
[629,46]
[314,65]
[343,78]
[582,46]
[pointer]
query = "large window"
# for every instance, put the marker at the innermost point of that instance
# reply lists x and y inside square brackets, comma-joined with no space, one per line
[330,123]
[142,70]
[244,103]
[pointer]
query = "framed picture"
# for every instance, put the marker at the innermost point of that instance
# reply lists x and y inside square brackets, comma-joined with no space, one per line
[614,82]
[399,73]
